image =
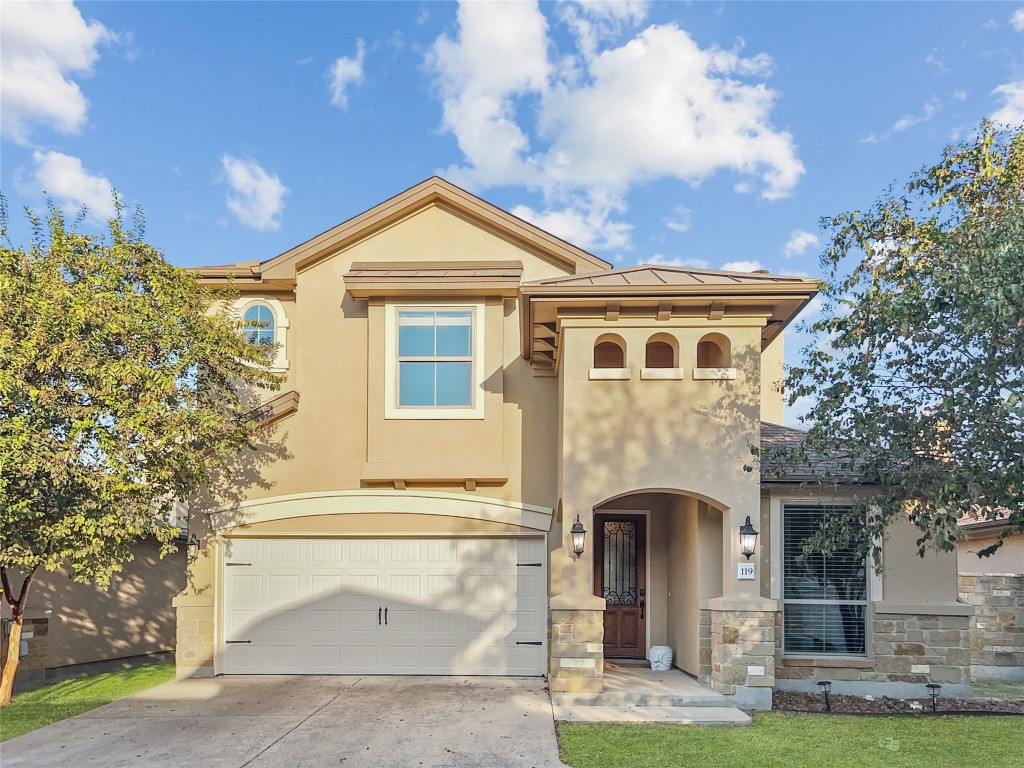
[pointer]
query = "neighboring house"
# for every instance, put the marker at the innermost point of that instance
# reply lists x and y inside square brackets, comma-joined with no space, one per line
[459,389]
[74,629]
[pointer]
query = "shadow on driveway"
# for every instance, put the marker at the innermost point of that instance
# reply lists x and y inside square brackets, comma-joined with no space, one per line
[307,722]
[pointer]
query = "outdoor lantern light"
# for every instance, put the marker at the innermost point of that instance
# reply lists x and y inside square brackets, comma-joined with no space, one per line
[933,691]
[192,547]
[748,538]
[579,533]
[826,688]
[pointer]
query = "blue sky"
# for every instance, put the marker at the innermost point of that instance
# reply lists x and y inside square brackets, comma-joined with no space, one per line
[709,134]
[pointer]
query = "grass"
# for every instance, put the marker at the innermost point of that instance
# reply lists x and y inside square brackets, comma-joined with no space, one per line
[777,739]
[998,689]
[34,709]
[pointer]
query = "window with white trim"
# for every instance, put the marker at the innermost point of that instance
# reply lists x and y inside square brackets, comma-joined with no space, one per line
[435,358]
[824,599]
[259,325]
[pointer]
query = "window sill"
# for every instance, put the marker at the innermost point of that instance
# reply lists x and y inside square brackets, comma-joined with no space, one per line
[610,374]
[671,374]
[484,472]
[830,662]
[714,374]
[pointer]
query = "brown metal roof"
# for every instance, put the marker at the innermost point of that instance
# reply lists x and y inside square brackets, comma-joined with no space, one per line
[487,278]
[648,275]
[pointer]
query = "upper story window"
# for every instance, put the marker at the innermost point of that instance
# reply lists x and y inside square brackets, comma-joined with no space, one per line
[660,353]
[435,358]
[265,323]
[609,354]
[259,325]
[824,599]
[713,351]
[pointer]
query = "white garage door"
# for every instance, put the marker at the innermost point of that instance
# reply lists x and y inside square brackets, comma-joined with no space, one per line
[385,606]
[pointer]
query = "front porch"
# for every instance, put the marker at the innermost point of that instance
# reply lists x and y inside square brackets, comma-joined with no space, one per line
[634,693]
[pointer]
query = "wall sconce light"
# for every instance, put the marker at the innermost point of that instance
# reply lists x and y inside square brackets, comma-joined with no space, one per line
[192,548]
[579,535]
[826,688]
[748,538]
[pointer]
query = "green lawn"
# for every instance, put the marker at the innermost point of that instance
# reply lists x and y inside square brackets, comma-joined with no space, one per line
[34,709]
[777,739]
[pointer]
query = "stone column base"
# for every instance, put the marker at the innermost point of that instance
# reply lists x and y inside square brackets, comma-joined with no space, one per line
[743,655]
[575,651]
[193,655]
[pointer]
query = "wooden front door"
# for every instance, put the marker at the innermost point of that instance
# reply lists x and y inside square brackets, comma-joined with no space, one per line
[620,577]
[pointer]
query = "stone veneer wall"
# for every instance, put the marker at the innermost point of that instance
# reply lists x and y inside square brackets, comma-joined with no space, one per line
[743,655]
[908,651]
[704,647]
[575,651]
[194,652]
[997,629]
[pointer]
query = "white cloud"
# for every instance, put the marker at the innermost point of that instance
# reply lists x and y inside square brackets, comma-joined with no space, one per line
[1011,113]
[256,197]
[681,219]
[934,61]
[586,226]
[586,127]
[1017,20]
[742,266]
[346,72]
[63,178]
[931,107]
[960,95]
[41,46]
[991,24]
[661,260]
[798,243]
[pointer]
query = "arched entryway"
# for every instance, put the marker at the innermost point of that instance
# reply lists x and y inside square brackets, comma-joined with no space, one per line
[657,562]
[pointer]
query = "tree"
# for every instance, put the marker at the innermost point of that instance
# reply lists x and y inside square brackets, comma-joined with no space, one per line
[124,385]
[917,376]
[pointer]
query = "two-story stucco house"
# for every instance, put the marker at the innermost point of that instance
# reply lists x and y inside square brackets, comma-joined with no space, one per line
[459,389]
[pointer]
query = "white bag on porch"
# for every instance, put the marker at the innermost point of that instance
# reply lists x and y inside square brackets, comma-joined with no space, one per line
[661,658]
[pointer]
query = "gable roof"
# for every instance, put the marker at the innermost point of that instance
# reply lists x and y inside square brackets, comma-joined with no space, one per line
[280,270]
[657,275]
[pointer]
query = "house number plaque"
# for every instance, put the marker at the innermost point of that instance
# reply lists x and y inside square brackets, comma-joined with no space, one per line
[746,571]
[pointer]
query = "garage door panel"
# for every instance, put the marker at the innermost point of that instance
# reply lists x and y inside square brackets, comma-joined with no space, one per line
[455,606]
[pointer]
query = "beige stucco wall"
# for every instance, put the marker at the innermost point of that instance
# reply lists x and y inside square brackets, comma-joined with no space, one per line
[773,409]
[1009,558]
[132,617]
[620,437]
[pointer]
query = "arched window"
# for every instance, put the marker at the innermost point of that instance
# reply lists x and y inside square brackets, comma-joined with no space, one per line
[713,351]
[660,353]
[259,325]
[609,354]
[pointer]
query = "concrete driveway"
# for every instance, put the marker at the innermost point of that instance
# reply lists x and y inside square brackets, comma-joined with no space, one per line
[306,722]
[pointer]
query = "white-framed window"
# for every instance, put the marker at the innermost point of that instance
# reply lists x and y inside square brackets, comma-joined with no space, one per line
[265,322]
[260,327]
[824,599]
[434,354]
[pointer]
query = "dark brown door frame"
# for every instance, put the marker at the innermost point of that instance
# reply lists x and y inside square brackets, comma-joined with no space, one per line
[615,615]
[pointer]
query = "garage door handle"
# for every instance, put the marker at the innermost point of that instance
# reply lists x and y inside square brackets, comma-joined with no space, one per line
[246,564]
[385,617]
[379,611]
[529,565]
[236,642]
[528,642]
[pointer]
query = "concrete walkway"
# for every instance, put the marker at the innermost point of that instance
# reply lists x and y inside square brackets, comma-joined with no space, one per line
[307,722]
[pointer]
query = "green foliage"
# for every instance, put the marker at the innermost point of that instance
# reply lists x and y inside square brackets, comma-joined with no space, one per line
[778,740]
[918,374]
[51,703]
[124,385]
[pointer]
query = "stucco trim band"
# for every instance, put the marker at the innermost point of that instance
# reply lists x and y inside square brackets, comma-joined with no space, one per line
[363,502]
